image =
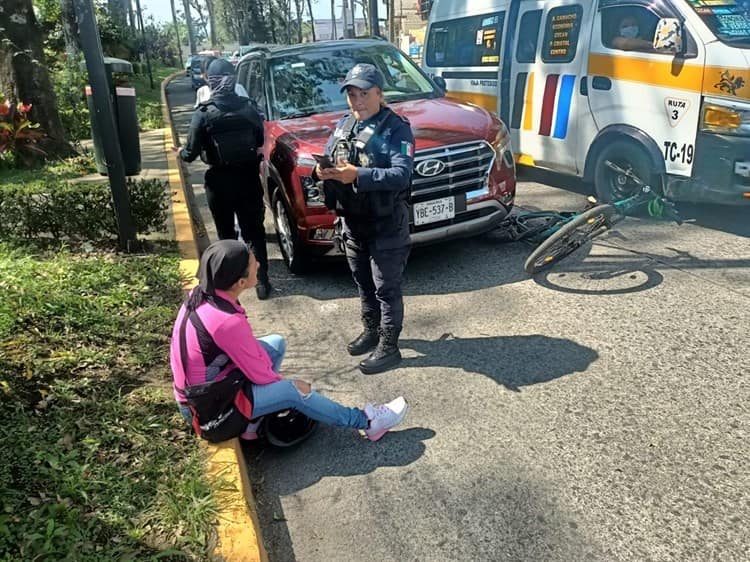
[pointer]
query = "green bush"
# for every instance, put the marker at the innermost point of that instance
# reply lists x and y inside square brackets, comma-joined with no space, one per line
[78,211]
[70,89]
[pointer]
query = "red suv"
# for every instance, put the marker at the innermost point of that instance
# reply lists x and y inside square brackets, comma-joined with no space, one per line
[464,176]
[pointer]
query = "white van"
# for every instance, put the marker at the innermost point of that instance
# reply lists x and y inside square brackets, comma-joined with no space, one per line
[661,86]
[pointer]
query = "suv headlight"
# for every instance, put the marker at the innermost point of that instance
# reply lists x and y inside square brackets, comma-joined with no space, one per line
[716,118]
[503,152]
[313,192]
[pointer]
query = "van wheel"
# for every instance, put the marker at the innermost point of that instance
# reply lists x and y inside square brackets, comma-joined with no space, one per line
[611,186]
[287,236]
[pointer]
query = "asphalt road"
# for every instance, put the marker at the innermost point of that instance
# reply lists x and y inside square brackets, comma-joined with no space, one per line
[599,412]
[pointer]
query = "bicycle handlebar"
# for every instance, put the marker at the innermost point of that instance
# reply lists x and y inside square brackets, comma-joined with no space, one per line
[668,209]
[627,173]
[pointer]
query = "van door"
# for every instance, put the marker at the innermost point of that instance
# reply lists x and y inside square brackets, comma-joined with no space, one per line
[547,64]
[632,85]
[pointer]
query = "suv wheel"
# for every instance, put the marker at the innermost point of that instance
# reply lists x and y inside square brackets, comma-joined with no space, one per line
[287,236]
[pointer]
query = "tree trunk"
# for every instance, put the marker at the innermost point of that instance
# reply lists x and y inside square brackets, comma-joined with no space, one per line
[312,19]
[131,15]
[23,77]
[176,32]
[211,21]
[334,34]
[70,30]
[365,15]
[299,8]
[189,20]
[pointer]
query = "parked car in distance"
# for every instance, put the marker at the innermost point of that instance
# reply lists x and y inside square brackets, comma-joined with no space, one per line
[464,180]
[189,64]
[196,78]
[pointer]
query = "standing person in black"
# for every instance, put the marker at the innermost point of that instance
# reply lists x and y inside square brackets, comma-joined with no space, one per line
[373,154]
[226,132]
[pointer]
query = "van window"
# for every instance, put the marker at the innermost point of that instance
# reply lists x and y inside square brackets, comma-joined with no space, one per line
[472,41]
[561,33]
[629,28]
[528,36]
[729,20]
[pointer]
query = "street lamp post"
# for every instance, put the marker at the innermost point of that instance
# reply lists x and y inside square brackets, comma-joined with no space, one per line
[105,121]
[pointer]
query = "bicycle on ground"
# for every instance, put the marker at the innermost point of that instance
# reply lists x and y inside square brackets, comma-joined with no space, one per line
[559,234]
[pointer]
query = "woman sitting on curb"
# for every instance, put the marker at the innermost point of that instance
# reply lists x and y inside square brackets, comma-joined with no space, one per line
[224,376]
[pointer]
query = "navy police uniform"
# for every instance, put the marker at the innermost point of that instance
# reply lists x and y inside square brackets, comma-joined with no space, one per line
[374,222]
[232,187]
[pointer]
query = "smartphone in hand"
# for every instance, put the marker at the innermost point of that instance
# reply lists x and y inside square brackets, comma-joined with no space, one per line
[323,161]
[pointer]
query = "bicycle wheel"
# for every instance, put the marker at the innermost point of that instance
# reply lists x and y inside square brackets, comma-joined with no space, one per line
[570,237]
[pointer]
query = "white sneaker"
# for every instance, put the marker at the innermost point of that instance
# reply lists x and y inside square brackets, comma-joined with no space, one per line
[385,417]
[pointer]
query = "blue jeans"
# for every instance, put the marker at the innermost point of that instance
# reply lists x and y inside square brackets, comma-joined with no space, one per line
[275,346]
[281,395]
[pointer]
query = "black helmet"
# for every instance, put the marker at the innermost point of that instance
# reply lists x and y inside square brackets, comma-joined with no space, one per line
[286,428]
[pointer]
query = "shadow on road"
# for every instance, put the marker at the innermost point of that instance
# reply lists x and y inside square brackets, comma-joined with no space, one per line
[452,267]
[542,358]
[625,270]
[280,473]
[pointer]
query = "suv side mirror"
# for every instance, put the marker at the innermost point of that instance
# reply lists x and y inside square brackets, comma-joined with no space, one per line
[669,36]
[440,83]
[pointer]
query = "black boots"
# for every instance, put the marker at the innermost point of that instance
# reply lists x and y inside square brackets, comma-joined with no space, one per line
[368,339]
[386,354]
[263,288]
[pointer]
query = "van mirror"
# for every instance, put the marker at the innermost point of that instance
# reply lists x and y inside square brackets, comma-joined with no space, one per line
[440,83]
[668,36]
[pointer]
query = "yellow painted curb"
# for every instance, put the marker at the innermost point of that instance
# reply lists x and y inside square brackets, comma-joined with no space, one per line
[238,529]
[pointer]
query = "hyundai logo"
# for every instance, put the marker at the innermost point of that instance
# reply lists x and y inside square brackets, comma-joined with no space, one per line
[430,168]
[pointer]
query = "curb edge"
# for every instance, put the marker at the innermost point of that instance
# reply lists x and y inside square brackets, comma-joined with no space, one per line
[238,529]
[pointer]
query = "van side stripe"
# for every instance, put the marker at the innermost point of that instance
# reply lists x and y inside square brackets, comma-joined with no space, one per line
[548,104]
[528,115]
[644,71]
[486,101]
[563,106]
[515,122]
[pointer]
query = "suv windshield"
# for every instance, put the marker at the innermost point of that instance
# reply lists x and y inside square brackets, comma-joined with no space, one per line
[309,82]
[729,20]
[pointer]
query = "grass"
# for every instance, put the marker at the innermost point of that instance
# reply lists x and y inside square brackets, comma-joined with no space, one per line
[67,169]
[148,101]
[95,462]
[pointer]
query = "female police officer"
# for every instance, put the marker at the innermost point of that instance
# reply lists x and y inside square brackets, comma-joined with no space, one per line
[373,152]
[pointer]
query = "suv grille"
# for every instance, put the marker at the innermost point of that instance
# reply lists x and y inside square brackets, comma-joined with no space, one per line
[467,166]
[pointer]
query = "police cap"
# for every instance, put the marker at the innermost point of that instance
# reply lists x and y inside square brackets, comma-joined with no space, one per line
[363,76]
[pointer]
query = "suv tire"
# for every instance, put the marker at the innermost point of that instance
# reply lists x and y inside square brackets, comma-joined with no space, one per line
[286,233]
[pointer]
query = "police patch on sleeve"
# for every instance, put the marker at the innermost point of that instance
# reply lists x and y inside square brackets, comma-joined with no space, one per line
[407,149]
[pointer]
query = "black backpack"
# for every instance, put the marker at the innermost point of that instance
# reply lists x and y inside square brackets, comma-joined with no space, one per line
[230,137]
